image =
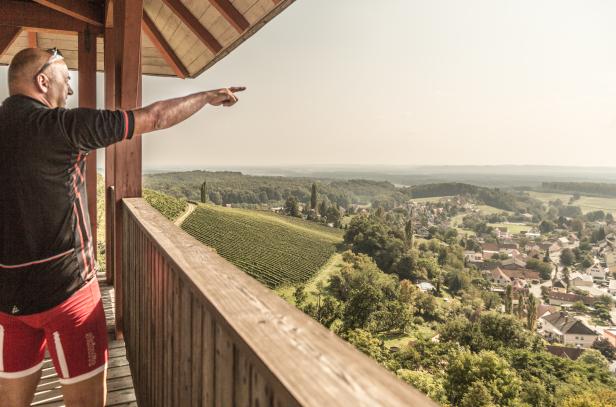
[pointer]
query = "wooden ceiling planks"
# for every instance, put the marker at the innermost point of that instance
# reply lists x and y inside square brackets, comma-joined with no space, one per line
[193,24]
[227,24]
[233,16]
[163,46]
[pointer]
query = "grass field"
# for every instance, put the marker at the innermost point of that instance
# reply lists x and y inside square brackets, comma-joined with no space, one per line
[430,199]
[333,264]
[276,250]
[512,227]
[586,203]
[489,210]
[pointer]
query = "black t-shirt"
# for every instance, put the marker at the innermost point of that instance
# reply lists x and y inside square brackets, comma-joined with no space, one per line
[46,251]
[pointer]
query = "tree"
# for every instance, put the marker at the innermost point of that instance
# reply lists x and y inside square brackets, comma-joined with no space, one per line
[366,343]
[546,226]
[300,296]
[606,348]
[408,232]
[425,382]
[545,293]
[215,197]
[509,300]
[291,207]
[333,215]
[323,206]
[361,304]
[477,395]
[465,368]
[313,197]
[542,267]
[521,305]
[531,313]
[204,192]
[567,258]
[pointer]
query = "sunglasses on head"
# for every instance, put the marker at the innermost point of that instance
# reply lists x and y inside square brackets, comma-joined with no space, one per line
[56,55]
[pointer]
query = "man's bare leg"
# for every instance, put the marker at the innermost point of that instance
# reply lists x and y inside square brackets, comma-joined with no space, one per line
[91,392]
[19,392]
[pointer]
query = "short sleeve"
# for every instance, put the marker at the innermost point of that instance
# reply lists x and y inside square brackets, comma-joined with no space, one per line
[89,129]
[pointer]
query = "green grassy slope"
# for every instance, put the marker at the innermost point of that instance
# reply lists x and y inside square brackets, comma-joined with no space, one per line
[586,203]
[273,249]
[169,206]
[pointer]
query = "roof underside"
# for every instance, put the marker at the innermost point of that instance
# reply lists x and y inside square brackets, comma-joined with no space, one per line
[179,37]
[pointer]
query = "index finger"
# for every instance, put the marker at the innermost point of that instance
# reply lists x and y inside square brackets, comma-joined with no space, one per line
[237,88]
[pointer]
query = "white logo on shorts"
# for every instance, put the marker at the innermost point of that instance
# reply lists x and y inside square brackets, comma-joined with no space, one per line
[91,345]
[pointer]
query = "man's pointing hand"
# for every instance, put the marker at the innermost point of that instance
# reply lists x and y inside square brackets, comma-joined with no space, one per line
[224,96]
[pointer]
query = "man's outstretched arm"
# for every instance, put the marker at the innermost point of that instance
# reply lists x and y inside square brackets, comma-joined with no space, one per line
[167,113]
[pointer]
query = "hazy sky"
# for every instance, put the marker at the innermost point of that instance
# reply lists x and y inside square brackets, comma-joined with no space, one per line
[408,82]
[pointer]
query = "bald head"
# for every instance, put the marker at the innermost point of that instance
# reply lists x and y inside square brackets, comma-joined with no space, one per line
[51,86]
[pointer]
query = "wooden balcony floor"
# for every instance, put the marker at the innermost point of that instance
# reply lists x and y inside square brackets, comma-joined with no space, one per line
[120,391]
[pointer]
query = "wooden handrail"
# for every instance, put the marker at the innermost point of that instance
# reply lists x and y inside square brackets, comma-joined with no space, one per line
[199,331]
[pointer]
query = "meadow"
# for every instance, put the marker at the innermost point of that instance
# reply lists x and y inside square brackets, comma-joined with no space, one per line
[586,203]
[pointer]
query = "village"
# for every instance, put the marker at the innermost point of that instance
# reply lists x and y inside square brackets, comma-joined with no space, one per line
[570,268]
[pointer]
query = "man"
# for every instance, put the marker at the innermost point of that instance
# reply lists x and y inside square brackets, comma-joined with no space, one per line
[49,296]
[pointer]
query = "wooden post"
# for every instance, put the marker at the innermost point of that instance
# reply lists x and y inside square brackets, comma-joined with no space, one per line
[127,15]
[110,97]
[87,98]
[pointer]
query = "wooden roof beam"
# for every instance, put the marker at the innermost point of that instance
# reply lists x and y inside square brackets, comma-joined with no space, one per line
[81,10]
[231,14]
[194,25]
[34,16]
[7,36]
[163,46]
[32,39]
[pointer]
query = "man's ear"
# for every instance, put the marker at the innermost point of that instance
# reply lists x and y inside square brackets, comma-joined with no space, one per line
[42,82]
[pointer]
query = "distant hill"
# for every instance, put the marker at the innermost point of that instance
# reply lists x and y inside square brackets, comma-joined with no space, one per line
[495,197]
[588,188]
[228,187]
[274,249]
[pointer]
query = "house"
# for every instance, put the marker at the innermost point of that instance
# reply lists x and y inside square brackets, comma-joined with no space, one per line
[565,351]
[522,274]
[562,328]
[568,299]
[597,272]
[528,217]
[425,286]
[514,263]
[554,249]
[546,309]
[489,248]
[508,244]
[559,285]
[498,277]
[579,280]
[519,285]
[610,335]
[612,287]
[473,257]
[502,233]
[534,233]
[563,242]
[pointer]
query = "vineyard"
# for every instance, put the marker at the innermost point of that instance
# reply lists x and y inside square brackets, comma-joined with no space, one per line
[169,206]
[273,249]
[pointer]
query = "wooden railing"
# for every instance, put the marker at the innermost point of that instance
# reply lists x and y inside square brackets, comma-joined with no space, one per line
[200,332]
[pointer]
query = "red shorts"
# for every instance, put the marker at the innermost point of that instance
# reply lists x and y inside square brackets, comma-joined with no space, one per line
[75,333]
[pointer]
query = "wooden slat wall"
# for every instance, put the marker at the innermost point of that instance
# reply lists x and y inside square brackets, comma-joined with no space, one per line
[200,332]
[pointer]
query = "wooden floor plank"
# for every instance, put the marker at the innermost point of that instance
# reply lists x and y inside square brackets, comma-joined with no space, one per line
[120,392]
